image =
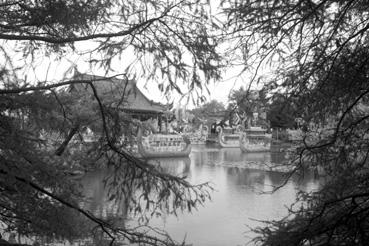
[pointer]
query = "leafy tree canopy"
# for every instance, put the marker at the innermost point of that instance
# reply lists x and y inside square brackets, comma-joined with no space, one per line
[42,122]
[318,50]
[248,101]
[282,113]
[319,53]
[211,107]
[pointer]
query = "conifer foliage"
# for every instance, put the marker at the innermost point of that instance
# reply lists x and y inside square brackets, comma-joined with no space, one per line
[318,50]
[42,122]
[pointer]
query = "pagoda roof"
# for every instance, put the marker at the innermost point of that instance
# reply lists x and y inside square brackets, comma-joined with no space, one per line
[122,91]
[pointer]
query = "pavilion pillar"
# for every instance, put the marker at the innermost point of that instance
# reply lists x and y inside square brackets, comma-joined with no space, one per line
[166,125]
[159,122]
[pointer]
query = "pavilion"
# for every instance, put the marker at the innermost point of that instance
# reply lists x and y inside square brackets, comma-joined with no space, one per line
[121,93]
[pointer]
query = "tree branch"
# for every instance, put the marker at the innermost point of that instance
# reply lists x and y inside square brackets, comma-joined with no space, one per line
[48,87]
[59,151]
[51,40]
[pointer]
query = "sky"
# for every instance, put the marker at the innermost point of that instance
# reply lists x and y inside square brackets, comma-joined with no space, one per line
[53,70]
[218,90]
[46,69]
[50,69]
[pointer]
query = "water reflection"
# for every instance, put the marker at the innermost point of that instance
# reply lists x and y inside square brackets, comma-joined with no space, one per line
[97,196]
[176,166]
[239,198]
[227,156]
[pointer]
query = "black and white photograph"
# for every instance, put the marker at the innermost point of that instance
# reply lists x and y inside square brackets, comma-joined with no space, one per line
[184,122]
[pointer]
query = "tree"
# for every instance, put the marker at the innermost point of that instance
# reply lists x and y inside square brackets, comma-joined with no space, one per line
[209,108]
[248,101]
[319,52]
[170,40]
[282,113]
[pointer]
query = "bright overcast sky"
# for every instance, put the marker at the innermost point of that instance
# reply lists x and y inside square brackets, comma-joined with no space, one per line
[47,69]
[53,70]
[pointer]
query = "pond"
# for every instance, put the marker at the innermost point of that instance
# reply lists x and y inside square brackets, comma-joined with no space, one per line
[241,197]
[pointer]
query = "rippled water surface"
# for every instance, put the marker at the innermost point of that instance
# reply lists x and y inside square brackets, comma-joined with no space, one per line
[238,201]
